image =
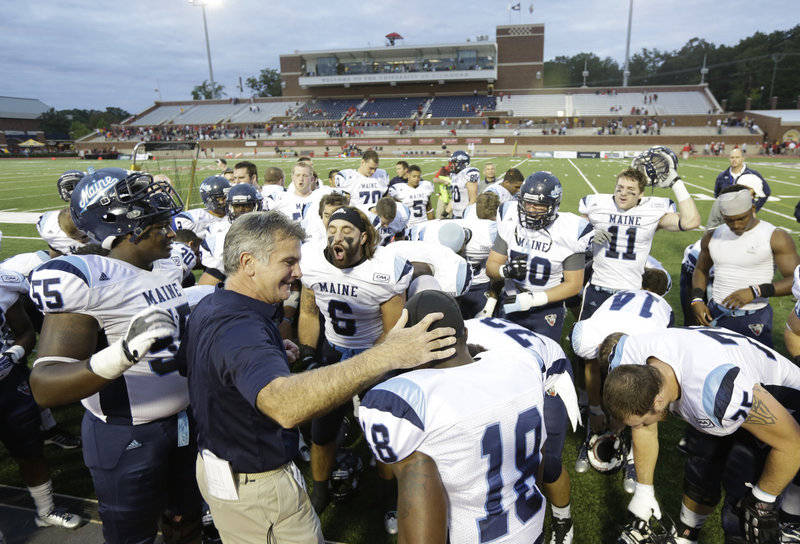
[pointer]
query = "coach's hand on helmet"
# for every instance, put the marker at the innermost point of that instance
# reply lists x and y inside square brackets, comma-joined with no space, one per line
[644,503]
[152,329]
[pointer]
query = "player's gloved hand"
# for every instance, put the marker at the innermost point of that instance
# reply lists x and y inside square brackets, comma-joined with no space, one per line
[671,174]
[643,503]
[307,360]
[9,359]
[516,268]
[601,237]
[152,329]
[524,301]
[760,520]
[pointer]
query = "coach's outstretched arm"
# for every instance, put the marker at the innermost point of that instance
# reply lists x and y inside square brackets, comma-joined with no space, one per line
[291,400]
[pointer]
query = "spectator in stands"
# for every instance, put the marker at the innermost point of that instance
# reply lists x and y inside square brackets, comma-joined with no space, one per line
[245,172]
[402,173]
[729,176]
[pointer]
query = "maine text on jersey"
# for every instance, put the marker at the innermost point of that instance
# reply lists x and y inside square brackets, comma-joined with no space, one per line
[162,294]
[624,219]
[338,289]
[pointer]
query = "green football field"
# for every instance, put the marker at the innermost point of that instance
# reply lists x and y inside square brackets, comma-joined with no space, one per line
[598,501]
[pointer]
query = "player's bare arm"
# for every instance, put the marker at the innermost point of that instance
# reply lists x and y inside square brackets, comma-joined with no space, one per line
[494,263]
[308,324]
[771,423]
[390,313]
[72,336]
[422,501]
[700,281]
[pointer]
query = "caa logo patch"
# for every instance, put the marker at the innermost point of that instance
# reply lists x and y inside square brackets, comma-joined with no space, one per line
[550,319]
[381,278]
[10,279]
[757,328]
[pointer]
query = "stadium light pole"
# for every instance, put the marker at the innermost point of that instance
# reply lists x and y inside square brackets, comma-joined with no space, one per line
[202,4]
[626,72]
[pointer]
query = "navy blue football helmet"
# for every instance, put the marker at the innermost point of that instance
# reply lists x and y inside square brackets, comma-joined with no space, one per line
[458,161]
[243,198]
[67,182]
[541,188]
[113,202]
[213,190]
[345,474]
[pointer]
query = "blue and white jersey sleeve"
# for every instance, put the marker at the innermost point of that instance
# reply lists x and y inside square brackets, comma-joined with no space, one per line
[392,415]
[12,285]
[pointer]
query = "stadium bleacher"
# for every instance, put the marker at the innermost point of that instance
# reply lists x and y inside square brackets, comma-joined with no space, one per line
[261,112]
[461,106]
[535,105]
[390,108]
[325,109]
[160,115]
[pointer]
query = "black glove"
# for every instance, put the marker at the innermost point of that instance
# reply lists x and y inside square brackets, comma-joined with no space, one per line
[307,360]
[760,520]
[516,268]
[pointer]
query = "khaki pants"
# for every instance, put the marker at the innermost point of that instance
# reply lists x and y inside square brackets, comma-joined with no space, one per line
[273,507]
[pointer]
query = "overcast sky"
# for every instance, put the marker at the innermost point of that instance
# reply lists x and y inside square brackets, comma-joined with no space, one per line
[93,54]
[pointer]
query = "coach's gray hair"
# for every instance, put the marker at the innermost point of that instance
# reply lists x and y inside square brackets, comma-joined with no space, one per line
[257,233]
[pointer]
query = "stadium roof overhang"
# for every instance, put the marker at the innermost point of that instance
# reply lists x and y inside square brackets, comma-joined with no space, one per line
[403,51]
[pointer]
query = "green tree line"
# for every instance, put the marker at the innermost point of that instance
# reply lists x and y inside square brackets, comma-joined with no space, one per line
[759,66]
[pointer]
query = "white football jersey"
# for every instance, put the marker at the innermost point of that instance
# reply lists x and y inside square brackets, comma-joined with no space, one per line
[483,425]
[350,298]
[182,221]
[546,249]
[502,193]
[12,286]
[450,269]
[620,263]
[416,199]
[630,312]
[295,206]
[796,283]
[183,255]
[203,220]
[364,191]
[213,245]
[52,233]
[716,370]
[398,224]
[112,292]
[270,193]
[23,263]
[484,233]
[458,188]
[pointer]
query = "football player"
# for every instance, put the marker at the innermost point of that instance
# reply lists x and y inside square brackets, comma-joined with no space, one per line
[463,184]
[138,441]
[416,195]
[19,425]
[367,184]
[56,227]
[301,195]
[212,191]
[539,252]
[240,199]
[359,287]
[466,443]
[508,187]
[390,219]
[560,407]
[729,389]
[626,222]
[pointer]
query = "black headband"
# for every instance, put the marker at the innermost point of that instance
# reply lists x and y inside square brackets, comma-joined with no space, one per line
[350,215]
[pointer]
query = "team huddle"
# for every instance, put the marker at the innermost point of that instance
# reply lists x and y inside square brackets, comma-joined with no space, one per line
[436,319]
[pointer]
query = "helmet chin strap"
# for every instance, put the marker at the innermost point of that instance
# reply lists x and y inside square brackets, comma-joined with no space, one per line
[108,242]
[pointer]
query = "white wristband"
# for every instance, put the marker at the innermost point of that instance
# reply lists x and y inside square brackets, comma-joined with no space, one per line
[15,353]
[645,491]
[111,362]
[540,298]
[500,272]
[762,495]
[680,191]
